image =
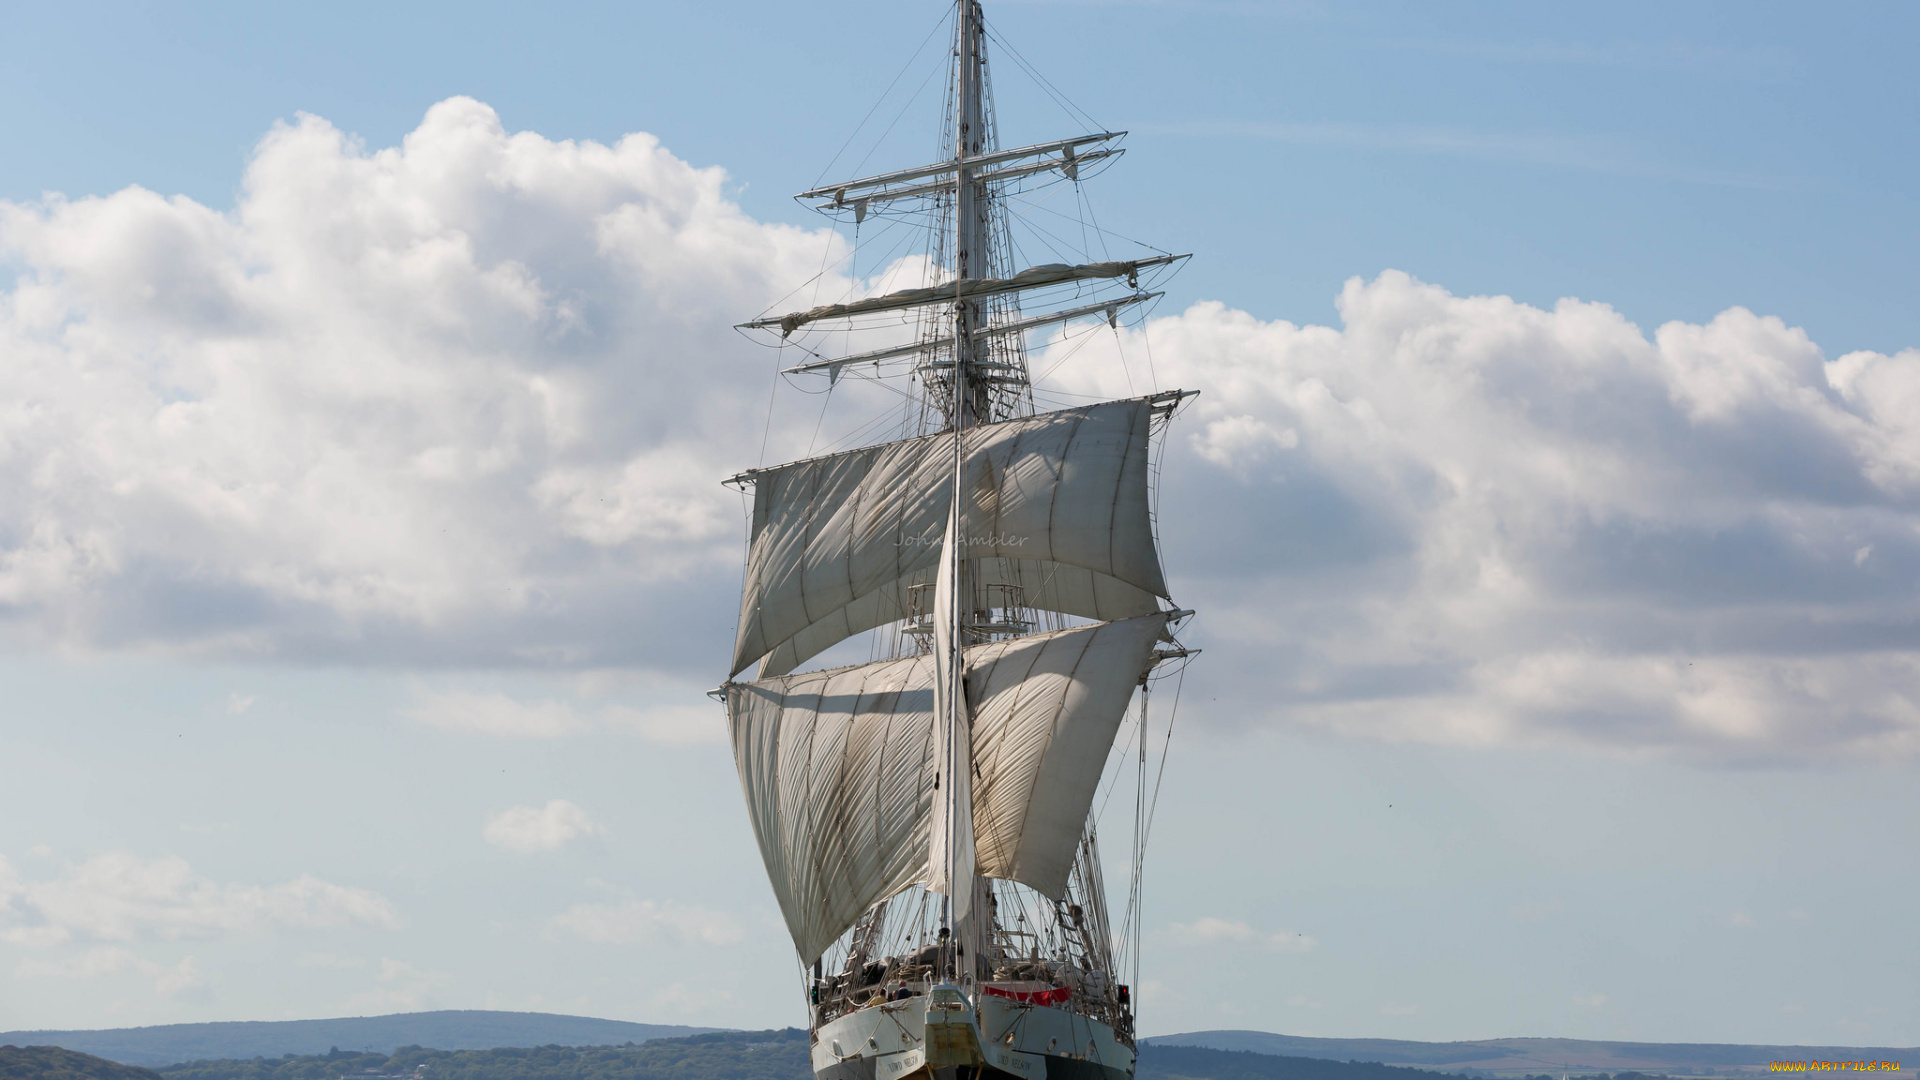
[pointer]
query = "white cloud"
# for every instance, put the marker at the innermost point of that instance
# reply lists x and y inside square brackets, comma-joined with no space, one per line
[673,725]
[92,964]
[182,980]
[120,897]
[327,960]
[1237,443]
[643,920]
[527,829]
[399,987]
[678,1001]
[494,713]
[497,714]
[462,397]
[1499,524]
[1216,931]
[465,400]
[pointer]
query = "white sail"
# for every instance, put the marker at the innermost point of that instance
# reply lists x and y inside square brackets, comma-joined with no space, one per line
[1055,502]
[950,851]
[1046,585]
[838,767]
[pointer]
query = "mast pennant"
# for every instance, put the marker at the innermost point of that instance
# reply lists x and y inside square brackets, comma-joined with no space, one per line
[972,288]
[838,767]
[1056,504]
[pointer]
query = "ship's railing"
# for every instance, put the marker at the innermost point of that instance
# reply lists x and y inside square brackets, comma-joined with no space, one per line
[880,981]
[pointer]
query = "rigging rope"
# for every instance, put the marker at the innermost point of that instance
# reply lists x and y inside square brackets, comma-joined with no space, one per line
[1051,91]
[942,21]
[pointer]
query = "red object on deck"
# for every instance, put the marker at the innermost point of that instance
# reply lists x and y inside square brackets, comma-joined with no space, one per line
[1056,996]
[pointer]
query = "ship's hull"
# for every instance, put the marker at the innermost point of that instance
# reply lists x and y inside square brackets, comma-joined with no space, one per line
[1001,1039]
[1058,1067]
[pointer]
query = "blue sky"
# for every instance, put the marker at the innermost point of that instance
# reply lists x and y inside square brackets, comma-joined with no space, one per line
[1671,160]
[1561,673]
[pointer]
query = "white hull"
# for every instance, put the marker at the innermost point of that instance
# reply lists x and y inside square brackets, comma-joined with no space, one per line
[909,1038]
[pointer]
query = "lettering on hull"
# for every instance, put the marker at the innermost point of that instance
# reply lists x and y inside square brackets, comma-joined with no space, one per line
[894,1066]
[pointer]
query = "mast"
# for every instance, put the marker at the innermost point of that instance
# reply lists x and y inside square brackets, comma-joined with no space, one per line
[971,207]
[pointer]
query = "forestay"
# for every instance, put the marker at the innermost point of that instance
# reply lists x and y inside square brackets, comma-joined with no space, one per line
[1056,503]
[838,767]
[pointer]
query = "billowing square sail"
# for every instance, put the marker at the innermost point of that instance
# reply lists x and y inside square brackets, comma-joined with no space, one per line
[838,767]
[1055,503]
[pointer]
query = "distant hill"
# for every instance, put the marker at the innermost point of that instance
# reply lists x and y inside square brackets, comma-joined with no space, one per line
[1165,1062]
[1521,1057]
[728,1055]
[481,1045]
[465,1029]
[56,1063]
[724,1055]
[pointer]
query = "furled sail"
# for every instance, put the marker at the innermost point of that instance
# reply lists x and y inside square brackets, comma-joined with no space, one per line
[1033,277]
[838,767]
[1056,503]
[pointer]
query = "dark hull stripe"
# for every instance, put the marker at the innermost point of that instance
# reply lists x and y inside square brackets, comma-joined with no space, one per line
[1058,1068]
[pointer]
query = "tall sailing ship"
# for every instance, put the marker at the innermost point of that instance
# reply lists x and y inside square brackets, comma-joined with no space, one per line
[927,818]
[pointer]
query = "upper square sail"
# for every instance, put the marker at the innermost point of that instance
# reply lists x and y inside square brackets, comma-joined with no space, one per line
[1056,502]
[838,767]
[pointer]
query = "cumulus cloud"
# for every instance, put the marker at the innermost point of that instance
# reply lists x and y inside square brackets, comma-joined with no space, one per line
[527,829]
[467,397]
[643,920]
[121,897]
[1216,931]
[464,401]
[1467,519]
